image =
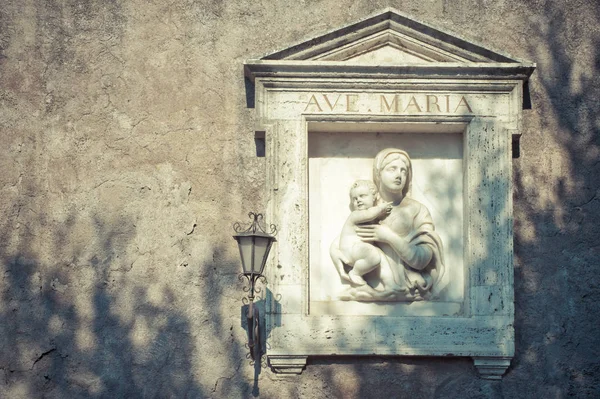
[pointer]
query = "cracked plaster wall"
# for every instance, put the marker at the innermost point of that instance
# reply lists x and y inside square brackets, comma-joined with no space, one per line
[128,151]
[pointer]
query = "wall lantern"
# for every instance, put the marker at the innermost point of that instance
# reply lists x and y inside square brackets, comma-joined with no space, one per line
[254,243]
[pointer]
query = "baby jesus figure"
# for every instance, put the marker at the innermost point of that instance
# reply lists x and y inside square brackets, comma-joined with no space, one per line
[361,256]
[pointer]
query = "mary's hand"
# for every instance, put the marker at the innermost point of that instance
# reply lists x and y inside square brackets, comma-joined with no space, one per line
[375,233]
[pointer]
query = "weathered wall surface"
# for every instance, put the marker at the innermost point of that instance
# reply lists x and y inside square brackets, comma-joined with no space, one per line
[128,151]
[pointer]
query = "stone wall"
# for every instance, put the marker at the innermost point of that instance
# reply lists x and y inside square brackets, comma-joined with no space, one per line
[128,151]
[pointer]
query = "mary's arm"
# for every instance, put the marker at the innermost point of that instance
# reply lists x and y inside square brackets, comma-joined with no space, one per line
[415,256]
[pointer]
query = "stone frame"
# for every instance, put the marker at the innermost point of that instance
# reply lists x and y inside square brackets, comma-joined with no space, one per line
[494,90]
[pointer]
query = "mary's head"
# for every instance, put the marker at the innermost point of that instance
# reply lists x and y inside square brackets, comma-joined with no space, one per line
[392,173]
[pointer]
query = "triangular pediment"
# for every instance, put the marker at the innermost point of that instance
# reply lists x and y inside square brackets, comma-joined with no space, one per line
[393,39]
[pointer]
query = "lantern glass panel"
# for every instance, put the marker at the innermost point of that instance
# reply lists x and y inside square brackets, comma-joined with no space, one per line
[261,246]
[246,245]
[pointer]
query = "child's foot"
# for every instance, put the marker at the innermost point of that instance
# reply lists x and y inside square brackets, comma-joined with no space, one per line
[356,279]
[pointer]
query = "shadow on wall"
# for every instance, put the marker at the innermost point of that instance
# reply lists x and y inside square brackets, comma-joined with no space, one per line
[100,343]
[557,206]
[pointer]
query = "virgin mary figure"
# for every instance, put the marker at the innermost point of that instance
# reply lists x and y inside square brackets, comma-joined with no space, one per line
[411,252]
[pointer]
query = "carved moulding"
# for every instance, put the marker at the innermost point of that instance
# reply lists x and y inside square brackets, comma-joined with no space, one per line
[327,107]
